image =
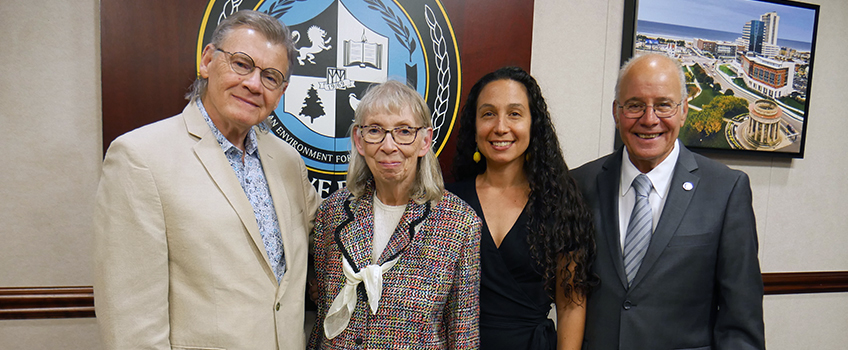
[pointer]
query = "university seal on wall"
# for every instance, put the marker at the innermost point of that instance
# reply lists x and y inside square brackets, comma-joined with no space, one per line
[344,46]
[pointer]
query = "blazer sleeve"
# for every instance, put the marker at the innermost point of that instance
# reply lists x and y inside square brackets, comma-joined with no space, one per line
[311,199]
[131,254]
[739,283]
[322,235]
[462,309]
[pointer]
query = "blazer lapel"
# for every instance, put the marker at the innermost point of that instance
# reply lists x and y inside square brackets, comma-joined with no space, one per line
[608,185]
[279,195]
[676,203]
[358,236]
[216,164]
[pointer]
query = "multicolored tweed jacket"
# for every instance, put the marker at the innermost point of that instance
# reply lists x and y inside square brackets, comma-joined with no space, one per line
[430,297]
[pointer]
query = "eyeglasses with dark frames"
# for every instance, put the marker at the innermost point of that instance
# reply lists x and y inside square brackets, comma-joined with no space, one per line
[243,64]
[402,135]
[636,109]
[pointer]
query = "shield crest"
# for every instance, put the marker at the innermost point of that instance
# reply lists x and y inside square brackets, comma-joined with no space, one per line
[335,63]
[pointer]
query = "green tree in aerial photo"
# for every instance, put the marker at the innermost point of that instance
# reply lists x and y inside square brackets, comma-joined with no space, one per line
[704,128]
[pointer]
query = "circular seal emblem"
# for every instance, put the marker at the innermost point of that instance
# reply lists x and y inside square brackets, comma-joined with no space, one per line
[344,46]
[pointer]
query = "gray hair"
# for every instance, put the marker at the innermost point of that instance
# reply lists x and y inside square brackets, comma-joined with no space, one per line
[633,60]
[274,31]
[393,97]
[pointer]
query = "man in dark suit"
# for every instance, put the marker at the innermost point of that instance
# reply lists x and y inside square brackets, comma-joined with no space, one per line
[676,236]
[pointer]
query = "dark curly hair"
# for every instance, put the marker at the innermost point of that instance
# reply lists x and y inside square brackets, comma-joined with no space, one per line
[560,223]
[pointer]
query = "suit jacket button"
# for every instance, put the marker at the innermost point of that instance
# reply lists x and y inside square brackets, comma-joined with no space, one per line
[627,304]
[277,307]
[358,341]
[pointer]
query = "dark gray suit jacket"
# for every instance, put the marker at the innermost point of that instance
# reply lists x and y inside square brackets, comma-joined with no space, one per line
[699,286]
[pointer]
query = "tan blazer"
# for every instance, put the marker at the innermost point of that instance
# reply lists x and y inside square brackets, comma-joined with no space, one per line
[180,263]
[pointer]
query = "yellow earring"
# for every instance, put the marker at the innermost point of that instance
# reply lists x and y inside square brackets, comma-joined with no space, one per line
[476,157]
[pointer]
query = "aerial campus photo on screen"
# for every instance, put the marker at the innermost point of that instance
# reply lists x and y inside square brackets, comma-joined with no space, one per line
[746,65]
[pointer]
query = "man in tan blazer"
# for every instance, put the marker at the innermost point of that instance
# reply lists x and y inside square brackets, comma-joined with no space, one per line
[202,219]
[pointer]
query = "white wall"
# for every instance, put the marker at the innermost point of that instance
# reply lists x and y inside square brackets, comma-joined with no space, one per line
[50,157]
[51,146]
[800,203]
[50,118]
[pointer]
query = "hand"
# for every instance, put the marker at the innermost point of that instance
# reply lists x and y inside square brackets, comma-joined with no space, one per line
[312,288]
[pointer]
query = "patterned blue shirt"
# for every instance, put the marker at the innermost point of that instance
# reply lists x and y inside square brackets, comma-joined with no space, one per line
[252,178]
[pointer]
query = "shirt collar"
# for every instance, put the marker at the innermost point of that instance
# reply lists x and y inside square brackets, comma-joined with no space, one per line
[250,144]
[660,176]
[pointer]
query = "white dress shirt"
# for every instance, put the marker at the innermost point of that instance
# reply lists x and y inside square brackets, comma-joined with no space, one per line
[660,179]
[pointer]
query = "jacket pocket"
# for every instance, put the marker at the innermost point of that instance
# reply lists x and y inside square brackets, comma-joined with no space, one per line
[692,240]
[181,347]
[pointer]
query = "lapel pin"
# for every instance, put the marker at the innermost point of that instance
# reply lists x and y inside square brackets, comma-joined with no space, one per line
[688,186]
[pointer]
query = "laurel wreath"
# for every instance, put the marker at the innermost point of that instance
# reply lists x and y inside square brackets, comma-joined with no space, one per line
[440,49]
[394,22]
[280,8]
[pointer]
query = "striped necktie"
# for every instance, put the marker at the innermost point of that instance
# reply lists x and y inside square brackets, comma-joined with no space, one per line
[639,229]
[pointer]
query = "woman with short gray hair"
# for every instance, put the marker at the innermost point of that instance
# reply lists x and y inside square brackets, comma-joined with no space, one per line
[397,257]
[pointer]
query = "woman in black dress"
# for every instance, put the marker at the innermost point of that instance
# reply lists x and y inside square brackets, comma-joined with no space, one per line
[537,242]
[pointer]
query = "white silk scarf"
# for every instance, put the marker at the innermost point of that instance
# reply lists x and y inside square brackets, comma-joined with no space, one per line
[338,316]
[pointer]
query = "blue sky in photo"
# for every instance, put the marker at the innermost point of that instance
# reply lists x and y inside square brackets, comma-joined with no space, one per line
[796,23]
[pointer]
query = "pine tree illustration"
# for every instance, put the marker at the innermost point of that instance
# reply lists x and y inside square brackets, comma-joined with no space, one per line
[313,107]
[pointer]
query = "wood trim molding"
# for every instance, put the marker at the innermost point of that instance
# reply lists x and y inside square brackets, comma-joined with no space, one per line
[805,282]
[77,302]
[46,302]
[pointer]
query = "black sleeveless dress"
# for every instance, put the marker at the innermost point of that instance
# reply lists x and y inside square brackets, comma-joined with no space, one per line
[513,304]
